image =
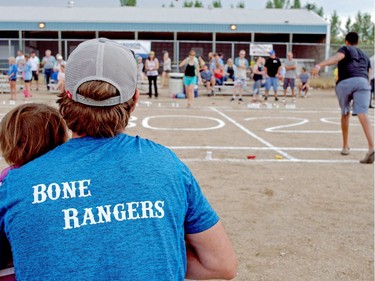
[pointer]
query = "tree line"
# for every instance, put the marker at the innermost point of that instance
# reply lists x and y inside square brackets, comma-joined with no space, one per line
[361,23]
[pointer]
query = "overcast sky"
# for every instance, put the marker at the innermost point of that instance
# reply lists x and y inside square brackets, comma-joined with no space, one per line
[344,8]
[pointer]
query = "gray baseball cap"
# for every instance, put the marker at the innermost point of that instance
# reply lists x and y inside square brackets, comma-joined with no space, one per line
[105,60]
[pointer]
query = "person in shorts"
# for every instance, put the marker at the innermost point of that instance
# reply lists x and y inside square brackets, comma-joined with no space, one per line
[191,76]
[304,85]
[272,68]
[241,66]
[352,86]
[12,77]
[27,77]
[35,64]
[206,77]
[290,75]
[258,73]
[167,68]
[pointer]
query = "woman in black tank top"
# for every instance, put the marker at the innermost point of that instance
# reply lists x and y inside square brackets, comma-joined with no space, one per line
[191,75]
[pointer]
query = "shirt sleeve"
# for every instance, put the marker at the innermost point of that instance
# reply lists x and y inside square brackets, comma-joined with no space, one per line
[343,50]
[200,215]
[5,251]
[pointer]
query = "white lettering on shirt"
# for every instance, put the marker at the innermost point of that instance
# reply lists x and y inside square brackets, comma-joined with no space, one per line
[53,191]
[74,218]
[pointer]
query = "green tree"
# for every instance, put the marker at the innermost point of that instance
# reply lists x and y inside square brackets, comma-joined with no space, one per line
[187,4]
[363,26]
[198,4]
[130,3]
[348,25]
[216,4]
[241,5]
[335,28]
[277,4]
[313,7]
[296,4]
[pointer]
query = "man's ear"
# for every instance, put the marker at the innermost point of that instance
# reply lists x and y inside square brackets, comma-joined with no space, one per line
[135,99]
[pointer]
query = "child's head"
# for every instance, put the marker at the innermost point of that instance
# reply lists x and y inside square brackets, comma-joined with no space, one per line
[12,60]
[29,131]
[303,69]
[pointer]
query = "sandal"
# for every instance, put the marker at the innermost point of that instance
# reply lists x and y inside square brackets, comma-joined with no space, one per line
[369,158]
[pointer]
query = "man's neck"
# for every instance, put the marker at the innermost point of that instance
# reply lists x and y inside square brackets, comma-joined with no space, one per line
[76,136]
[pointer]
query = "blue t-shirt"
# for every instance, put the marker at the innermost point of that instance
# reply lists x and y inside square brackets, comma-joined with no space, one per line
[355,64]
[27,73]
[12,70]
[102,209]
[206,75]
[304,77]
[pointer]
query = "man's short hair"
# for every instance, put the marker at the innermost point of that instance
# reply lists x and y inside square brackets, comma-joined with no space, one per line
[352,38]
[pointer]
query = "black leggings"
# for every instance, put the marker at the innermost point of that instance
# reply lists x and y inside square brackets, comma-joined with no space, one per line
[150,79]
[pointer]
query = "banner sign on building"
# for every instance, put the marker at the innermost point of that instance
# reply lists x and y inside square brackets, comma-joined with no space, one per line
[260,49]
[139,47]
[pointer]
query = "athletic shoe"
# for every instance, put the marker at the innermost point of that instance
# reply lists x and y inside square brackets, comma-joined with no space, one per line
[232,99]
[369,158]
[345,151]
[240,99]
[276,99]
[265,98]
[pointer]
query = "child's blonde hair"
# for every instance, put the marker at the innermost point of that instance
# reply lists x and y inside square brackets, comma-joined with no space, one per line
[12,60]
[29,131]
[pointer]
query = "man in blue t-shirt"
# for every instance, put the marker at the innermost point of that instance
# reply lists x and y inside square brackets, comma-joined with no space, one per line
[106,205]
[352,85]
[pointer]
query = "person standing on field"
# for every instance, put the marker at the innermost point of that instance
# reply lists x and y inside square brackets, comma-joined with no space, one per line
[352,86]
[191,77]
[152,67]
[48,62]
[272,68]
[290,75]
[35,64]
[241,66]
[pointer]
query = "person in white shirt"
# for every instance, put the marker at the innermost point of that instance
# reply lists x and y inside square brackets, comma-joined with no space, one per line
[35,63]
[20,59]
[242,65]
[20,62]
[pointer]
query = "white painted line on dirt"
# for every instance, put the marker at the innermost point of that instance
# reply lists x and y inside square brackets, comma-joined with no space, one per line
[261,148]
[266,143]
[227,160]
[337,121]
[145,123]
[302,121]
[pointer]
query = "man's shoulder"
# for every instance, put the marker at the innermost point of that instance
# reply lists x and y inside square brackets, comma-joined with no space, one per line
[343,49]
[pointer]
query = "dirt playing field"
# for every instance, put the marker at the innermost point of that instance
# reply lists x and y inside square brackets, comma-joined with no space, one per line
[299,210]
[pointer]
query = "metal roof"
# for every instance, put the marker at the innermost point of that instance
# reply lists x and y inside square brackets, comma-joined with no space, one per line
[162,19]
